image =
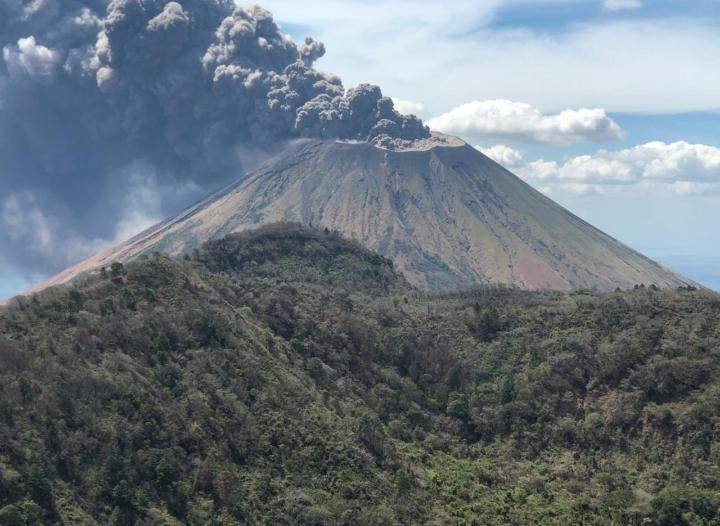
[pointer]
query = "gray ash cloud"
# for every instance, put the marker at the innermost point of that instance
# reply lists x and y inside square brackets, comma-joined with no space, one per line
[98,98]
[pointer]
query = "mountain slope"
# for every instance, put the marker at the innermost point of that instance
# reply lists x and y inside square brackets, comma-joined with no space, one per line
[448,216]
[287,376]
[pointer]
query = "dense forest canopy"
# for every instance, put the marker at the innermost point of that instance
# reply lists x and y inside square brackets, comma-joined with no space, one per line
[289,376]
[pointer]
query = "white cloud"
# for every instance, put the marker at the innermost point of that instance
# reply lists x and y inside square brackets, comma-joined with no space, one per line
[447,56]
[691,188]
[687,169]
[87,19]
[30,58]
[142,205]
[22,219]
[516,121]
[408,106]
[377,14]
[24,222]
[622,5]
[39,234]
[504,155]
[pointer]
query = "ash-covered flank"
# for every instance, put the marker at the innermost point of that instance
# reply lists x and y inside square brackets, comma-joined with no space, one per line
[447,216]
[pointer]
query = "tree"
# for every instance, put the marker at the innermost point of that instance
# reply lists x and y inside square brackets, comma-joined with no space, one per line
[457,406]
[487,324]
[371,434]
[116,269]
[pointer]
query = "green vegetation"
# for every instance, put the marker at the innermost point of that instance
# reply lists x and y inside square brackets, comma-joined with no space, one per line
[288,376]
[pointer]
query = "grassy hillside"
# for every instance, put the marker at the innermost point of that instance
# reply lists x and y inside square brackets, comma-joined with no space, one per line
[287,376]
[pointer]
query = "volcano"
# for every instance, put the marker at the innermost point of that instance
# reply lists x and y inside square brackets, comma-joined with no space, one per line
[448,216]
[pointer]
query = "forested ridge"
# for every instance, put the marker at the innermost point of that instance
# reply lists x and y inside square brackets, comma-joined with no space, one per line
[289,376]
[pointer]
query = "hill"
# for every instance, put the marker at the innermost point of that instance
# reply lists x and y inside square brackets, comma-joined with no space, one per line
[448,216]
[288,376]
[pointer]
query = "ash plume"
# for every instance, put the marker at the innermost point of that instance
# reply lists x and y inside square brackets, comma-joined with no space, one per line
[97,98]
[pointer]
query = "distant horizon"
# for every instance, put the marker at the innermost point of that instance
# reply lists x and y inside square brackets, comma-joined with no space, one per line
[705,270]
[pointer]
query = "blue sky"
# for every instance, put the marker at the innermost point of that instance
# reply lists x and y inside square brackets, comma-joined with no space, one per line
[610,107]
[11,285]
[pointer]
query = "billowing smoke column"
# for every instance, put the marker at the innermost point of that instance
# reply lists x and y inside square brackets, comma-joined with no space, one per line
[101,101]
